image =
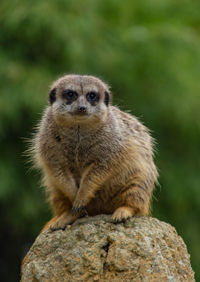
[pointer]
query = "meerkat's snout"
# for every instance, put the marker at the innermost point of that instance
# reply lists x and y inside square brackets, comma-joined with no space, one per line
[81,106]
[82,110]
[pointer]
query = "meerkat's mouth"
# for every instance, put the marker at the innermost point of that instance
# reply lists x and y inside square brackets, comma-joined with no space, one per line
[79,114]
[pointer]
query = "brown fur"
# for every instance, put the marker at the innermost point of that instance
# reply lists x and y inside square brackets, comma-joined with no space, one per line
[100,162]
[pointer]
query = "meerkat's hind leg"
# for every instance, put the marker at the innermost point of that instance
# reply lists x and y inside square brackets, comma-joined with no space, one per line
[135,200]
[122,213]
[61,209]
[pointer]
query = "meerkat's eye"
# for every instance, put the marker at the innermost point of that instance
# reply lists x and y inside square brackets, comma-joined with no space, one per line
[92,97]
[70,95]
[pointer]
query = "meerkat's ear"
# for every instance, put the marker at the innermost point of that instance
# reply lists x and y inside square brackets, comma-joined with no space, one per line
[52,96]
[107,98]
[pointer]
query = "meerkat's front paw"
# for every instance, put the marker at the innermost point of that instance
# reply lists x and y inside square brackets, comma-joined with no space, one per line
[78,207]
[62,221]
[122,213]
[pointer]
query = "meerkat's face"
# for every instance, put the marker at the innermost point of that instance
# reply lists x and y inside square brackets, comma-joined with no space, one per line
[80,99]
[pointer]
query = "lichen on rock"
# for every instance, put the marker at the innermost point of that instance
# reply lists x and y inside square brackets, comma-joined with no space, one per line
[95,249]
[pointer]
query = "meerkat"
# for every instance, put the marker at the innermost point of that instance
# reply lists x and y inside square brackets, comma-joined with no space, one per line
[95,158]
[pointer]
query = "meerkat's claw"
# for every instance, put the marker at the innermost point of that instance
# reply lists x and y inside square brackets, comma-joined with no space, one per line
[75,210]
[115,221]
[122,214]
[78,209]
[123,220]
[59,228]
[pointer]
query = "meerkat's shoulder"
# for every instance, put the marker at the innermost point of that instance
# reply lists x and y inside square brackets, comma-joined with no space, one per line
[46,128]
[47,119]
[128,119]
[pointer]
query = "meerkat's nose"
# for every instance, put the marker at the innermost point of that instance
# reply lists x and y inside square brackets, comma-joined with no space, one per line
[82,109]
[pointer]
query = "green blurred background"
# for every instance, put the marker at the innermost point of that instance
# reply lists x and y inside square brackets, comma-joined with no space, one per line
[149,51]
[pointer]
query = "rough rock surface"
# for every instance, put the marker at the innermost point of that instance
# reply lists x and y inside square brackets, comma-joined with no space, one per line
[94,249]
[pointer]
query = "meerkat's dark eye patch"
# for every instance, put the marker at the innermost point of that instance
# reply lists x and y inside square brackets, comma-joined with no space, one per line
[52,96]
[92,97]
[107,98]
[69,95]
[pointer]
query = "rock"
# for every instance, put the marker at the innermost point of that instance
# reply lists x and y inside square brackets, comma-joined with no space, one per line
[94,249]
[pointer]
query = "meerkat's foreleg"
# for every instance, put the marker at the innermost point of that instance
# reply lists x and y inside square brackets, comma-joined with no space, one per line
[92,179]
[63,180]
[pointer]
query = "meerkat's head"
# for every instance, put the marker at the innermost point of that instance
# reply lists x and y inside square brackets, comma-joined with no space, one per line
[79,98]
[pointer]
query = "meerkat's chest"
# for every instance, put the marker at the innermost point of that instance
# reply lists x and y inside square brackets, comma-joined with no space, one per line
[77,148]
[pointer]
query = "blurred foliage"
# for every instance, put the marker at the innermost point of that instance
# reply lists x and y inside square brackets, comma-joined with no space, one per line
[149,51]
